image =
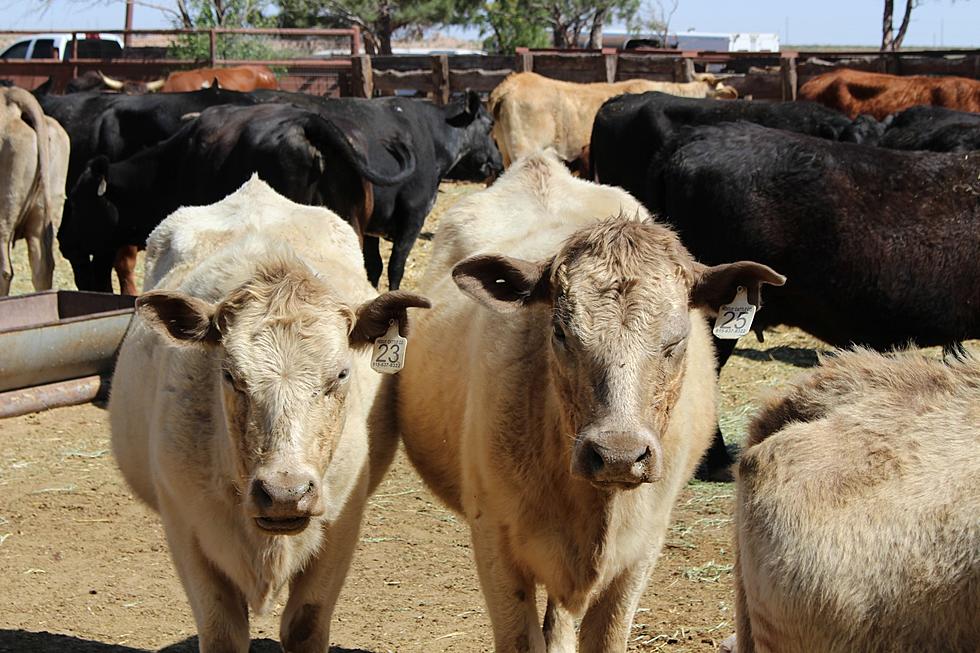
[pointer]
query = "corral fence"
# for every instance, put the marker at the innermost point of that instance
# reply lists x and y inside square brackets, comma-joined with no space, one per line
[315,61]
[760,75]
[328,62]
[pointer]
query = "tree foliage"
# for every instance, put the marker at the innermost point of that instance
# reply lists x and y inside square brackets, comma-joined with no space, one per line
[508,24]
[377,19]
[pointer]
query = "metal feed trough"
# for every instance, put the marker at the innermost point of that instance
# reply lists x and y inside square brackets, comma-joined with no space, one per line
[57,347]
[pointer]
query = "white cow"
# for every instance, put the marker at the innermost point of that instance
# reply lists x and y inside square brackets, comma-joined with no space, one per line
[34,165]
[239,408]
[563,409]
[858,510]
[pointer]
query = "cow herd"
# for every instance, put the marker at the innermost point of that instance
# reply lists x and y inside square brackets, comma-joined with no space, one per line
[560,382]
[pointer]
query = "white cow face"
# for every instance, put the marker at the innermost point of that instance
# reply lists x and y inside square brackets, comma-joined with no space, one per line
[620,295]
[283,352]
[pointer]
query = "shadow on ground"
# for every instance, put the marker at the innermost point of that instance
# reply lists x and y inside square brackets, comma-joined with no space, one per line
[796,356]
[23,641]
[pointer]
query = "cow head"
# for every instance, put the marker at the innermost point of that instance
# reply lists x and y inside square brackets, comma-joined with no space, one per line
[618,299]
[94,214]
[281,359]
[476,155]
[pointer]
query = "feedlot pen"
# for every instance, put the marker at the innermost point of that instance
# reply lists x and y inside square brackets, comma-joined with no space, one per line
[84,568]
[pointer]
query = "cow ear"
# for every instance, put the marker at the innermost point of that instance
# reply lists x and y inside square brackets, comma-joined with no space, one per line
[503,284]
[717,285]
[182,319]
[463,110]
[373,318]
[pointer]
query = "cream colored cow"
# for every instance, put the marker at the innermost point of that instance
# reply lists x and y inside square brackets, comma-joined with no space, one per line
[532,112]
[858,510]
[239,408]
[563,398]
[34,165]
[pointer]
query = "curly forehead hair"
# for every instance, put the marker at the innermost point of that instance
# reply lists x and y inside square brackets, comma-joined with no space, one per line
[623,248]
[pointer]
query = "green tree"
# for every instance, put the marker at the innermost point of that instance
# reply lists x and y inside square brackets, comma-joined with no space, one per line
[508,24]
[568,19]
[377,19]
[222,13]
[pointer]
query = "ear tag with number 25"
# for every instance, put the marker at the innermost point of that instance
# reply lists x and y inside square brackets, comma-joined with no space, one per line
[388,356]
[734,319]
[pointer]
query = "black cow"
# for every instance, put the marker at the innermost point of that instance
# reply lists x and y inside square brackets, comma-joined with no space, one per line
[630,130]
[879,246]
[932,128]
[117,126]
[302,156]
[457,135]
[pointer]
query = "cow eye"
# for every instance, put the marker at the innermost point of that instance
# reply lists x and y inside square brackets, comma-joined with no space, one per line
[344,374]
[231,380]
[559,333]
[672,348]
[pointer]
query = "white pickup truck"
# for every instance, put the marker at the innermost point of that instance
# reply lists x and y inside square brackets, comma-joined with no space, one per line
[91,45]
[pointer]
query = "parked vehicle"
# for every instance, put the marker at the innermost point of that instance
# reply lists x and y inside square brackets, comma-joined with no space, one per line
[91,45]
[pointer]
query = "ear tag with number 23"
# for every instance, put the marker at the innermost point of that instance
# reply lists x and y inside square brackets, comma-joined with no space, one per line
[734,319]
[389,351]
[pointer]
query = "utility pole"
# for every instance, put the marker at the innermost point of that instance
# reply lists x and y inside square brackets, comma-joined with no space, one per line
[129,23]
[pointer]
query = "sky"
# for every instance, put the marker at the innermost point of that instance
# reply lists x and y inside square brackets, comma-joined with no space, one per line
[950,23]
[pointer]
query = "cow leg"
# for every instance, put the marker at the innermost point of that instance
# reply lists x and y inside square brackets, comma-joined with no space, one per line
[508,592]
[606,625]
[716,466]
[402,246]
[219,608]
[100,273]
[559,629]
[6,266]
[372,259]
[41,255]
[125,266]
[305,625]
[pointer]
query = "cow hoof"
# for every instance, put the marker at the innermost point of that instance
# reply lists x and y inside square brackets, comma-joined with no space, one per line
[728,645]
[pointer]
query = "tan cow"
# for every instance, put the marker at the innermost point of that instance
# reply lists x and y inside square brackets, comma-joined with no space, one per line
[34,165]
[858,510]
[563,398]
[239,405]
[532,112]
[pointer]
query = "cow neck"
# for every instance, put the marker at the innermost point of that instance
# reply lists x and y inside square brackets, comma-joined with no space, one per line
[448,148]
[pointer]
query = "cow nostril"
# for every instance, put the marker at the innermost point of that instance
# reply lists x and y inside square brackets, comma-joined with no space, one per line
[643,457]
[594,461]
[261,495]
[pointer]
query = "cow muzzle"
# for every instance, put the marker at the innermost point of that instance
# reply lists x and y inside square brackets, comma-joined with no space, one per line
[283,503]
[618,458]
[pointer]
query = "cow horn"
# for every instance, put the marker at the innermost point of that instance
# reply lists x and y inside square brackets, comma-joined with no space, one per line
[156,85]
[114,84]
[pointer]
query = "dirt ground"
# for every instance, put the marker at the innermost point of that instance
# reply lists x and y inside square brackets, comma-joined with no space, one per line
[85,568]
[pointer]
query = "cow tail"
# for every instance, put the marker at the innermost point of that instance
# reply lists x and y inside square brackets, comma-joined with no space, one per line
[320,129]
[32,114]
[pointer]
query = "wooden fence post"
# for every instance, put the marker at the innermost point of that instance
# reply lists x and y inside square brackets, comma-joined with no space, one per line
[440,78]
[787,77]
[683,69]
[361,76]
[612,59]
[212,47]
[525,61]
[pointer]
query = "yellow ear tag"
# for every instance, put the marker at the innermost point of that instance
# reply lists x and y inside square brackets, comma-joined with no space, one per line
[388,356]
[734,319]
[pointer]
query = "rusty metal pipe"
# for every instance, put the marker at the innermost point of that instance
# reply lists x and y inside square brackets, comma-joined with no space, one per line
[53,395]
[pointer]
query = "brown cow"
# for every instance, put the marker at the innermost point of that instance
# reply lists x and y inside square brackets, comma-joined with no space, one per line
[858,510]
[563,410]
[856,92]
[237,78]
[532,112]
